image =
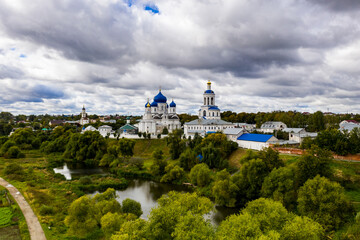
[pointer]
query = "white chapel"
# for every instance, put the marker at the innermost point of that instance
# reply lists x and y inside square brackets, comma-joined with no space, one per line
[159,115]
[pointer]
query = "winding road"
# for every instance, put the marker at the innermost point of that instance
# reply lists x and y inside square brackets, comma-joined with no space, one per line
[35,229]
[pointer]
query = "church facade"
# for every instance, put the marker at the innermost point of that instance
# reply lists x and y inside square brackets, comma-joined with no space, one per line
[159,115]
[209,117]
[83,117]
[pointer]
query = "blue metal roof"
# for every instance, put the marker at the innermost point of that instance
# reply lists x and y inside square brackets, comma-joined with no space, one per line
[160,98]
[214,108]
[172,104]
[209,91]
[154,104]
[210,132]
[254,137]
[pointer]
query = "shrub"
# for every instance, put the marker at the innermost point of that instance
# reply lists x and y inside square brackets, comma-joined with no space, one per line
[14,152]
[14,171]
[131,206]
[46,210]
[85,180]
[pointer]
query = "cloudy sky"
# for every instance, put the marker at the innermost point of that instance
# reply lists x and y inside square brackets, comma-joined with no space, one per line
[111,55]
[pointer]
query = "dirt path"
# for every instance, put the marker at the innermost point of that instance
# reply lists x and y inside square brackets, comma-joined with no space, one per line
[36,232]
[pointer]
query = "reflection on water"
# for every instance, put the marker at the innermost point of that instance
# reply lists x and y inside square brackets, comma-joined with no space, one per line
[148,192]
[71,172]
[145,192]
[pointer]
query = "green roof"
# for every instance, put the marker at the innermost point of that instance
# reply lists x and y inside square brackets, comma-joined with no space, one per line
[128,127]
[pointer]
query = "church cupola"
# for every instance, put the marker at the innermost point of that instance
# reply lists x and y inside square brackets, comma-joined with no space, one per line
[209,96]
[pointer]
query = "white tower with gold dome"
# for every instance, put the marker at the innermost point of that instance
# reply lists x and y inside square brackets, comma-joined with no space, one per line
[209,110]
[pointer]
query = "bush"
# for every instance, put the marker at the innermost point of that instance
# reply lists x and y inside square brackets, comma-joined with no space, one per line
[5,147]
[14,152]
[14,171]
[85,180]
[46,210]
[200,175]
[131,206]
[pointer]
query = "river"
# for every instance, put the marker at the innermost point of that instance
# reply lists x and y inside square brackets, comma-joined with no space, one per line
[146,192]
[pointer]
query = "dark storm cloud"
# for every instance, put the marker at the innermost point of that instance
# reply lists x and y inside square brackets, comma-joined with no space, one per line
[42,91]
[80,30]
[120,52]
[338,5]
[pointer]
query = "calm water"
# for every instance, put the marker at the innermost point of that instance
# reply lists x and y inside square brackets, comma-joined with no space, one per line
[72,172]
[147,193]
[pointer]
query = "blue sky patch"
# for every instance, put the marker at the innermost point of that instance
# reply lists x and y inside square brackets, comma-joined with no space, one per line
[22,56]
[12,49]
[130,2]
[151,8]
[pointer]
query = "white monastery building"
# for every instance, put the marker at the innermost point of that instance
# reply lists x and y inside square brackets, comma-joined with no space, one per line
[84,119]
[209,117]
[159,115]
[270,127]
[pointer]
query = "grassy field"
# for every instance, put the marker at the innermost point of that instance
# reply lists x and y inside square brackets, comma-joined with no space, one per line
[12,222]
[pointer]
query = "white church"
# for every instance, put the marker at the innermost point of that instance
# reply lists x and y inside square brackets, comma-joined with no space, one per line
[159,115]
[209,117]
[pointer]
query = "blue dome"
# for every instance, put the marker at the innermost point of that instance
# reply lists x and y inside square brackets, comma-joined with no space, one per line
[172,104]
[146,104]
[209,91]
[160,98]
[154,104]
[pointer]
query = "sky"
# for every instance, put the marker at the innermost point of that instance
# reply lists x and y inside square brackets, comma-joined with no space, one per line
[111,55]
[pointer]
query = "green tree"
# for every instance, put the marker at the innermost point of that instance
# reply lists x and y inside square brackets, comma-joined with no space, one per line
[240,226]
[126,147]
[280,185]
[325,202]
[132,230]
[315,161]
[23,138]
[211,156]
[87,148]
[14,152]
[86,214]
[271,158]
[193,227]
[249,180]
[164,219]
[159,163]
[131,206]
[174,173]
[188,159]
[175,143]
[200,175]
[165,131]
[111,222]
[224,190]
[317,122]
[300,228]
[80,219]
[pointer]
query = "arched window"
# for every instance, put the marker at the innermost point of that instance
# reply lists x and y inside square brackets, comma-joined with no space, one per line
[212,101]
[204,113]
[204,101]
[213,114]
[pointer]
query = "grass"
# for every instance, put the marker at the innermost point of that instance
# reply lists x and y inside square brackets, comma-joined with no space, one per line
[5,216]
[144,147]
[234,159]
[12,221]
[10,233]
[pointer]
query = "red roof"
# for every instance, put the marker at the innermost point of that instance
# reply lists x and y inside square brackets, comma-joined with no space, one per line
[352,121]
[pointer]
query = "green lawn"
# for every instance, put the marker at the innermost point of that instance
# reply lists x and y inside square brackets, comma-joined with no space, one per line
[5,216]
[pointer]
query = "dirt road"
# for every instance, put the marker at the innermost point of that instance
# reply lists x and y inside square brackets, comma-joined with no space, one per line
[36,232]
